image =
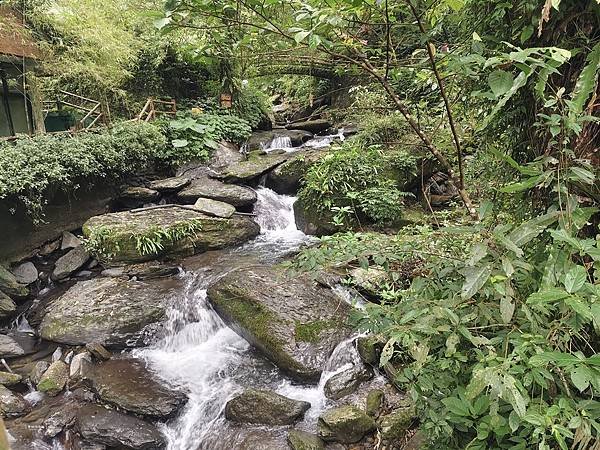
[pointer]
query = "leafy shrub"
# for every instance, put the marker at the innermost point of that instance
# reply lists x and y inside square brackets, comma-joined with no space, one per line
[253,106]
[195,136]
[358,184]
[31,166]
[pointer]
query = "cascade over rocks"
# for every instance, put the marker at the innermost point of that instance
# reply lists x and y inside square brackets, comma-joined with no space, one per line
[295,322]
[206,187]
[128,384]
[262,139]
[111,311]
[208,233]
[265,408]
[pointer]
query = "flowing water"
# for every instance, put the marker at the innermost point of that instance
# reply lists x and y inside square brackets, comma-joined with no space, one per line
[211,363]
[280,143]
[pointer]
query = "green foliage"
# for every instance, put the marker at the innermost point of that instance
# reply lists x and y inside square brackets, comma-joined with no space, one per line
[34,166]
[358,184]
[252,106]
[196,136]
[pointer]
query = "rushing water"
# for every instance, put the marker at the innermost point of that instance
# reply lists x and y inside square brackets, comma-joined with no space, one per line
[280,143]
[210,362]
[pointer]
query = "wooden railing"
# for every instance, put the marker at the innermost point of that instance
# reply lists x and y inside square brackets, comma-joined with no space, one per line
[95,113]
[155,107]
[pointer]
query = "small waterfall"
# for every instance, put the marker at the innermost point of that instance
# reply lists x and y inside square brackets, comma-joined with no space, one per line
[319,142]
[279,143]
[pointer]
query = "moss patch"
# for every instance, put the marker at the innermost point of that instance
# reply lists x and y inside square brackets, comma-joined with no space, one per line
[310,332]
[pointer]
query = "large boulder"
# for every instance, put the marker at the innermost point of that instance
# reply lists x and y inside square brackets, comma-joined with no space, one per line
[128,384]
[311,222]
[265,408]
[238,196]
[11,404]
[252,168]
[346,424]
[9,284]
[111,311]
[113,429]
[295,322]
[225,155]
[127,237]
[70,262]
[286,178]
[260,140]
[313,126]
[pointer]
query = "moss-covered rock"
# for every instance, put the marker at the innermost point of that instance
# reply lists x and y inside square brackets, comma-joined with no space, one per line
[286,178]
[252,168]
[301,440]
[312,222]
[127,237]
[393,426]
[346,424]
[294,321]
[369,348]
[265,408]
[7,306]
[11,404]
[9,284]
[238,196]
[10,379]
[54,379]
[374,402]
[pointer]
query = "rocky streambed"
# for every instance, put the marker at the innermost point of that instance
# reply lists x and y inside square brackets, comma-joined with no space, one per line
[204,342]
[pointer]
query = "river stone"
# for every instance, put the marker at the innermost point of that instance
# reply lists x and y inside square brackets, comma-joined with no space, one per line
[393,426]
[98,351]
[10,379]
[301,440]
[214,208]
[139,194]
[111,428]
[347,382]
[170,185]
[346,424]
[25,273]
[286,178]
[314,126]
[9,284]
[368,281]
[69,240]
[252,168]
[49,247]
[128,384]
[9,348]
[263,139]
[369,348]
[111,311]
[11,404]
[265,408]
[79,364]
[69,263]
[312,222]
[295,322]
[38,371]
[238,196]
[374,402]
[54,379]
[207,233]
[7,306]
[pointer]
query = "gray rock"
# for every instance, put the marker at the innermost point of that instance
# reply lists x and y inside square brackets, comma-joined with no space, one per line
[25,273]
[139,194]
[10,286]
[79,363]
[214,208]
[69,240]
[255,166]
[347,382]
[203,232]
[9,348]
[150,270]
[225,155]
[7,306]
[114,429]
[11,404]
[99,351]
[127,384]
[54,379]
[346,424]
[69,263]
[114,272]
[374,402]
[49,247]
[84,274]
[301,440]
[265,408]
[60,418]
[111,311]
[170,185]
[286,178]
[206,187]
[38,370]
[295,322]
[368,281]
[314,126]
[10,379]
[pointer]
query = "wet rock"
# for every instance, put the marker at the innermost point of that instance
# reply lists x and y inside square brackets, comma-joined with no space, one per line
[206,187]
[314,126]
[98,351]
[255,166]
[347,382]
[346,424]
[54,379]
[9,347]
[263,139]
[38,371]
[49,247]
[150,270]
[69,240]
[139,194]
[60,418]
[10,286]
[295,322]
[10,379]
[301,440]
[194,232]
[369,348]
[286,178]
[69,263]
[393,426]
[264,407]
[25,273]
[316,223]
[368,281]
[111,311]
[214,208]
[114,429]
[129,385]
[79,363]
[170,185]
[11,404]
[374,402]
[7,306]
